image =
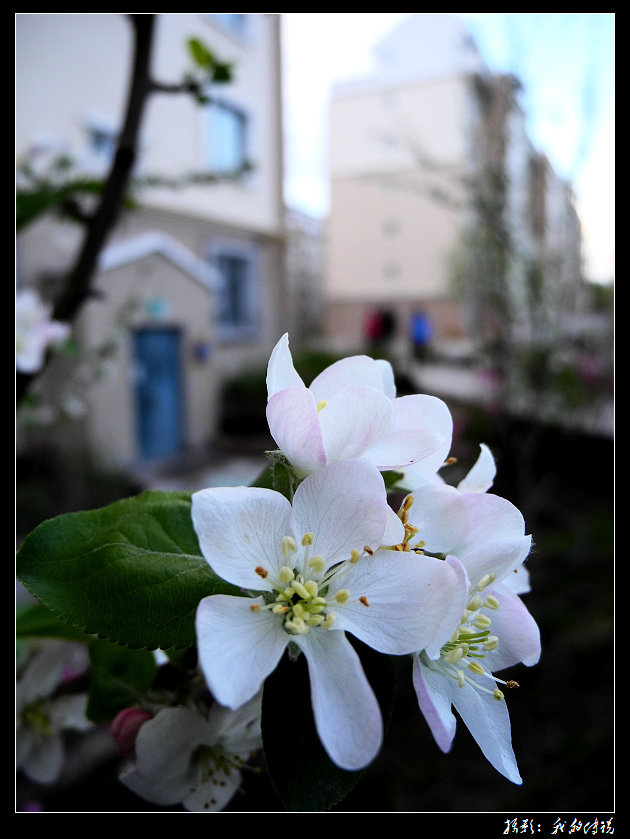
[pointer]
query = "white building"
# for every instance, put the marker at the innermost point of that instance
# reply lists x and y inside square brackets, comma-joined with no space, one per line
[228,237]
[415,151]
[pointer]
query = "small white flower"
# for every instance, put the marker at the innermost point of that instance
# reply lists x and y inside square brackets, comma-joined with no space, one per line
[486,534]
[317,577]
[182,756]
[35,331]
[351,411]
[41,718]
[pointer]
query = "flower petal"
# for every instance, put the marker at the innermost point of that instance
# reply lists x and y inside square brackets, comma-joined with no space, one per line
[240,529]
[488,721]
[344,506]
[294,425]
[415,602]
[347,714]
[434,699]
[482,475]
[238,648]
[394,530]
[212,794]
[354,419]
[518,633]
[387,374]
[280,371]
[358,370]
[439,513]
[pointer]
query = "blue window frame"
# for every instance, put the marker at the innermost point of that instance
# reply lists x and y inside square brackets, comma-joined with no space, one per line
[237,301]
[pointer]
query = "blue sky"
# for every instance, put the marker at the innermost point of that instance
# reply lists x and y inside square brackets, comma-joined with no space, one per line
[565,61]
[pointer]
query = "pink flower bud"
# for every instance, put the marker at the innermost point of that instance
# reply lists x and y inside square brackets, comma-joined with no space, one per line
[125,727]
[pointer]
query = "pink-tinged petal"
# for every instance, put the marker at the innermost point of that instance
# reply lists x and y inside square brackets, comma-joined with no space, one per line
[238,648]
[482,475]
[240,529]
[280,371]
[394,530]
[499,557]
[491,518]
[344,506]
[347,714]
[441,517]
[387,374]
[238,732]
[488,721]
[294,425]
[516,629]
[411,602]
[434,699]
[420,412]
[358,370]
[354,419]
[398,450]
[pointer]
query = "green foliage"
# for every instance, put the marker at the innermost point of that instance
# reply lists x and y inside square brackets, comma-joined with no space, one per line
[302,773]
[204,58]
[118,676]
[37,621]
[131,572]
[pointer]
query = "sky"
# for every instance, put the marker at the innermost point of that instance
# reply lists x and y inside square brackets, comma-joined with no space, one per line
[566,65]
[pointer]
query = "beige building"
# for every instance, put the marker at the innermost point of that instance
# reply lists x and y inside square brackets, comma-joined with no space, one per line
[414,151]
[191,283]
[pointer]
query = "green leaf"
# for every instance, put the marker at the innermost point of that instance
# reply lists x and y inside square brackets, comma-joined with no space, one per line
[265,479]
[303,775]
[391,478]
[38,621]
[118,676]
[200,54]
[131,572]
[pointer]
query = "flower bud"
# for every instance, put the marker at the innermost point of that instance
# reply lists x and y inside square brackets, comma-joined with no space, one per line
[125,728]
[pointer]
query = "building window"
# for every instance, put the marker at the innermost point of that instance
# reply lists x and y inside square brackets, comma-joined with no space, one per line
[102,137]
[236,306]
[226,138]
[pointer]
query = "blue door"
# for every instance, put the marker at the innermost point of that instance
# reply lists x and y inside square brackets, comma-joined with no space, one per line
[159,391]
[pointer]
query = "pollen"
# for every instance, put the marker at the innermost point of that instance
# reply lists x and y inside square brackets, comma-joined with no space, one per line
[261,571]
[321,405]
[364,600]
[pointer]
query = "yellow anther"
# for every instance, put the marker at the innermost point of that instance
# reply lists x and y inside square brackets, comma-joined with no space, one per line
[355,556]
[315,620]
[498,694]
[318,601]
[483,582]
[286,574]
[289,546]
[299,589]
[421,543]
[288,592]
[299,611]
[279,609]
[317,563]
[461,679]
[482,621]
[474,604]
[342,595]
[261,571]
[363,599]
[491,602]
[453,655]
[491,643]
[474,667]
[407,503]
[311,587]
[321,405]
[331,617]
[307,539]
[450,461]
[368,550]
[297,625]
[511,684]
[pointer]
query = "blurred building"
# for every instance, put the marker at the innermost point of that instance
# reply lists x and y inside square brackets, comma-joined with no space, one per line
[192,282]
[439,201]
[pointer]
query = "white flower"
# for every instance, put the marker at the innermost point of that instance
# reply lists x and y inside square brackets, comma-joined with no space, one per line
[40,718]
[182,756]
[349,411]
[487,535]
[35,331]
[313,568]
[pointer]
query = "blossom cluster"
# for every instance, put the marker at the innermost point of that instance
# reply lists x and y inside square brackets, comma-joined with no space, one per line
[439,580]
